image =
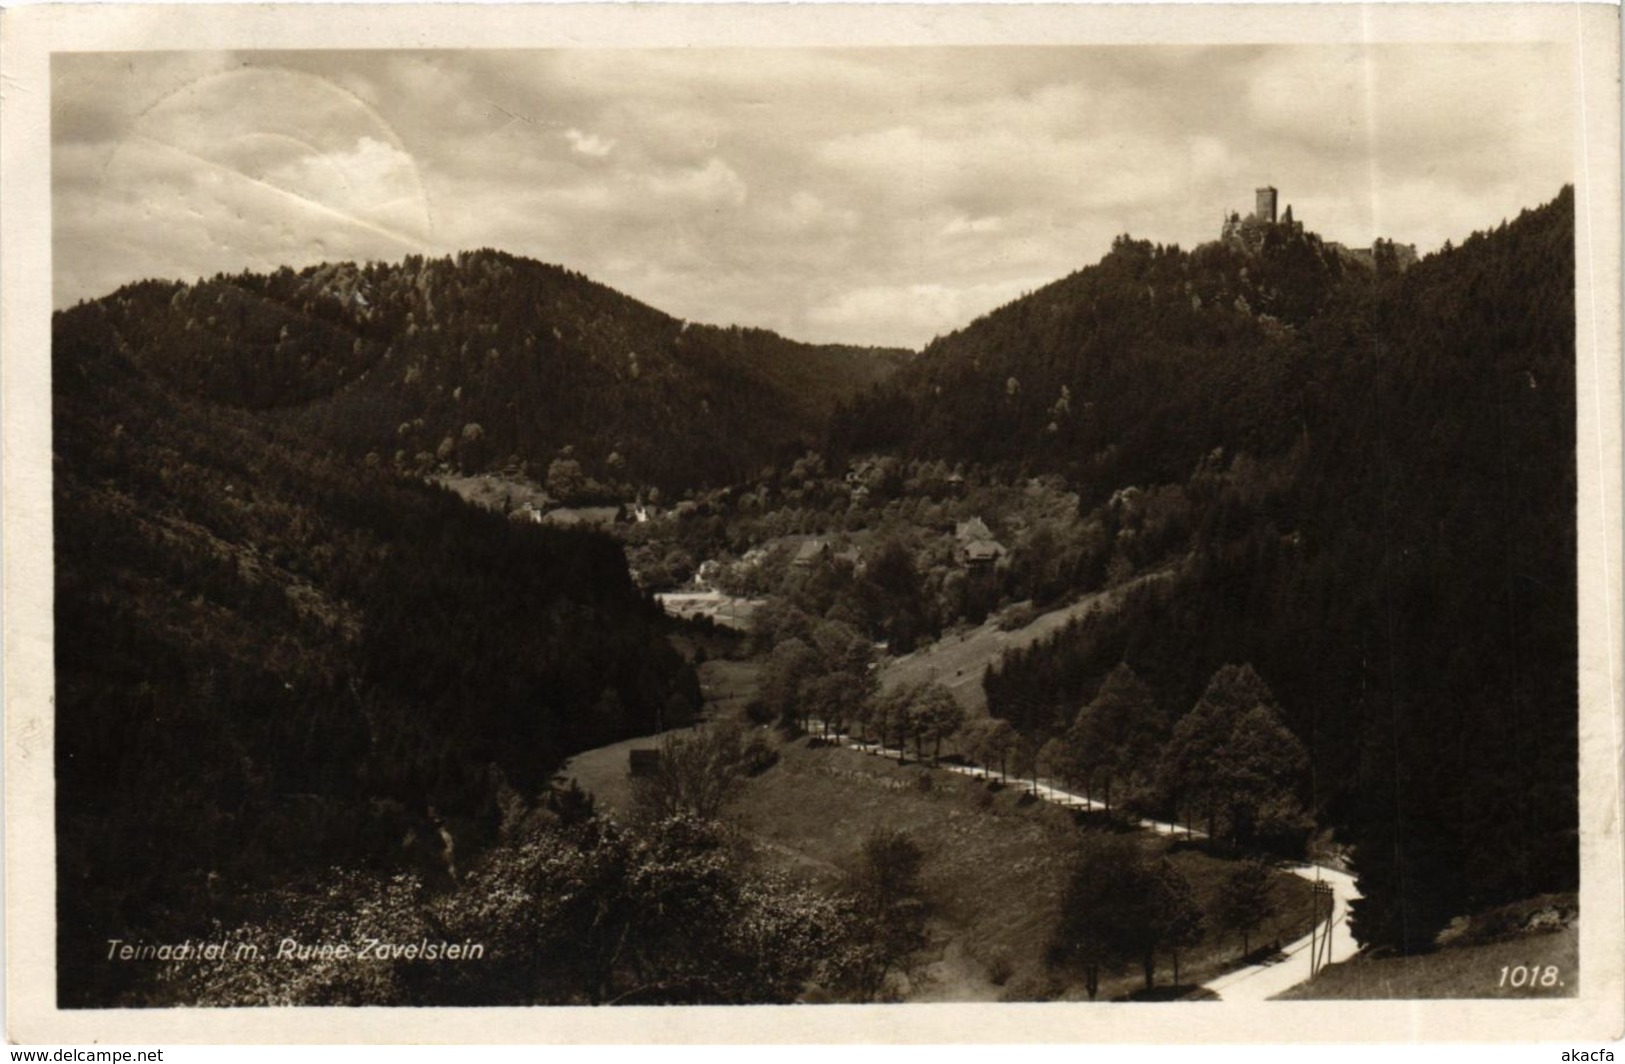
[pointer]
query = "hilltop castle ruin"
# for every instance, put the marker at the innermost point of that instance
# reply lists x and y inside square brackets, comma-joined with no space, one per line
[1248,234]
[1265,211]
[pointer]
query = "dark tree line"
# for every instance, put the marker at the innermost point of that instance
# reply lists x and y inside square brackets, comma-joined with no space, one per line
[271,658]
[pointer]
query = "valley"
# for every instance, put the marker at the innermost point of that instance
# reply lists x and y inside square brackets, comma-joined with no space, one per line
[690,664]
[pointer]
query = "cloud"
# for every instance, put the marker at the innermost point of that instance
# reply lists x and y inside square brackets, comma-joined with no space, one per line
[711,186]
[861,195]
[914,310]
[373,183]
[589,144]
[962,225]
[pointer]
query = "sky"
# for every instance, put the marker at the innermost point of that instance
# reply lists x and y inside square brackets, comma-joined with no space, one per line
[872,196]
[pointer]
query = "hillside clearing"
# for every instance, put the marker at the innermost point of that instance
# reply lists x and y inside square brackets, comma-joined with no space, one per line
[495,491]
[957,660]
[996,867]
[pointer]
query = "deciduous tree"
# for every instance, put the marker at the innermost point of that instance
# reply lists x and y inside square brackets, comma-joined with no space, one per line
[1186,923]
[1245,902]
[1116,912]
[698,774]
[891,894]
[1118,736]
[936,714]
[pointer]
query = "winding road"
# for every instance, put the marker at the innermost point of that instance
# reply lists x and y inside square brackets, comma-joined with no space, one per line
[1256,982]
[1260,982]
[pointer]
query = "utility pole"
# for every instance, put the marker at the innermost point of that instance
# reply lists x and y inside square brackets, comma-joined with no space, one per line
[1320,944]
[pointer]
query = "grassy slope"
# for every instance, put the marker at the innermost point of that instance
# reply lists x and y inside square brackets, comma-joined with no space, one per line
[1455,972]
[957,661]
[1470,958]
[994,870]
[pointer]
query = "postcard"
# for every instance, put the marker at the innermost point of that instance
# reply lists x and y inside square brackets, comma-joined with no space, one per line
[812,523]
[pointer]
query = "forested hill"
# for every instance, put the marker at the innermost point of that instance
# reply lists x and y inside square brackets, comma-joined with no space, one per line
[1376,511]
[271,659]
[488,359]
[1125,372]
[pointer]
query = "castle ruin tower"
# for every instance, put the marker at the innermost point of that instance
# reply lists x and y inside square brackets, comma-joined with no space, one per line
[1265,211]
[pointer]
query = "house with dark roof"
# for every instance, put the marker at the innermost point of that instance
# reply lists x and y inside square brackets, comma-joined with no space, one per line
[975,546]
[810,553]
[983,554]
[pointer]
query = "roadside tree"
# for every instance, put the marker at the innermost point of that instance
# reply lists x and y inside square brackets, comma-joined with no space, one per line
[999,741]
[1261,768]
[936,714]
[1244,901]
[1232,760]
[972,742]
[789,669]
[1117,738]
[1186,923]
[1116,912]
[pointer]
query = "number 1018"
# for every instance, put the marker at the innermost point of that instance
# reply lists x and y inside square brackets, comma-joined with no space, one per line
[1526,975]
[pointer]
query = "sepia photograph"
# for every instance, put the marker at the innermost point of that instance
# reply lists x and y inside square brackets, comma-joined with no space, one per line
[687,512]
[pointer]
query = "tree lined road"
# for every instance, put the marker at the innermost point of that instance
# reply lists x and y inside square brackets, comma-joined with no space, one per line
[1256,982]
